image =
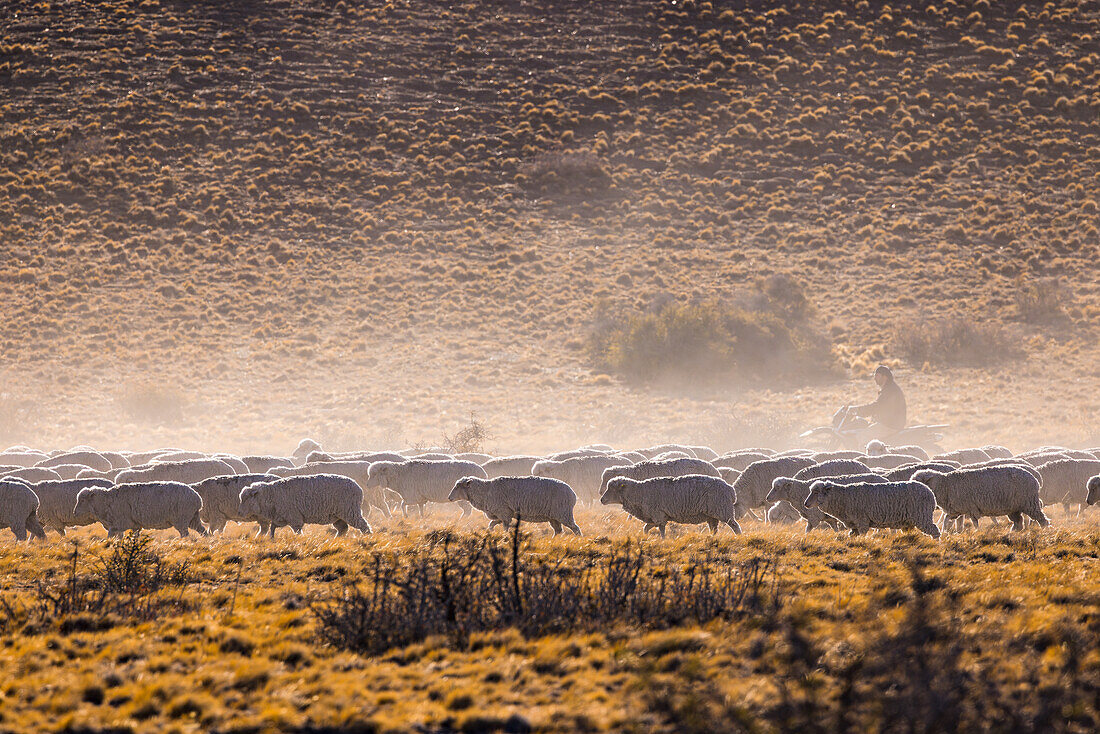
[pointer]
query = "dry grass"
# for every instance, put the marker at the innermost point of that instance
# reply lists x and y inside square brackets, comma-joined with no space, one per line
[992,626]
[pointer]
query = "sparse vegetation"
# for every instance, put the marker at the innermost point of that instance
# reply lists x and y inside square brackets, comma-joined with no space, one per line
[956,342]
[1041,301]
[472,437]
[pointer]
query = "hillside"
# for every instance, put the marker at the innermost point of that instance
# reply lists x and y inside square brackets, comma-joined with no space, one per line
[240,223]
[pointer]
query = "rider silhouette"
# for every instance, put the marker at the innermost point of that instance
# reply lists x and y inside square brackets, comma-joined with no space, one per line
[887,412]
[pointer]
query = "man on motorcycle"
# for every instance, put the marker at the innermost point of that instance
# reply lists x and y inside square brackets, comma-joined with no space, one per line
[887,413]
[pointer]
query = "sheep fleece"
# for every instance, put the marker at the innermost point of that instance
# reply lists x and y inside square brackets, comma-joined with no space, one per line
[138,505]
[532,499]
[898,505]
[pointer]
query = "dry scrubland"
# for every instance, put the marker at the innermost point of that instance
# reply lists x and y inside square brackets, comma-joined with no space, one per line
[819,632]
[364,220]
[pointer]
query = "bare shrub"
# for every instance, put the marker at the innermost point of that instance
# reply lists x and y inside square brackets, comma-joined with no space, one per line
[1041,301]
[462,585]
[470,438]
[145,400]
[959,341]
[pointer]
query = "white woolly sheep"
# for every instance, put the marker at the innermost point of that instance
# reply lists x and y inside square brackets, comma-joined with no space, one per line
[822,456]
[632,456]
[509,466]
[528,499]
[887,462]
[19,509]
[664,448]
[1037,460]
[669,455]
[690,499]
[793,491]
[239,467]
[189,471]
[371,456]
[420,481]
[740,461]
[905,472]
[964,456]
[1065,481]
[258,464]
[866,505]
[90,459]
[755,482]
[792,452]
[475,456]
[576,453]
[359,471]
[305,447]
[989,491]
[652,469]
[143,505]
[221,499]
[317,499]
[584,474]
[22,458]
[177,456]
[32,474]
[706,453]
[876,447]
[70,471]
[729,476]
[58,502]
[996,451]
[1093,491]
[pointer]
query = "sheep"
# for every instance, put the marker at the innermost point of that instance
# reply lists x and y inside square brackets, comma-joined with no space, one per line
[305,447]
[530,499]
[371,456]
[741,460]
[887,461]
[189,471]
[669,455]
[420,481]
[1037,460]
[320,499]
[905,472]
[221,499]
[143,505]
[32,474]
[996,451]
[755,482]
[964,456]
[475,456]
[729,476]
[509,466]
[421,452]
[1093,491]
[359,471]
[1065,481]
[794,491]
[689,499]
[606,448]
[576,453]
[1009,462]
[239,467]
[176,456]
[651,469]
[632,456]
[832,468]
[822,456]
[58,502]
[93,474]
[90,459]
[584,474]
[70,471]
[792,452]
[258,464]
[19,509]
[664,448]
[437,456]
[706,453]
[876,447]
[989,491]
[21,458]
[865,505]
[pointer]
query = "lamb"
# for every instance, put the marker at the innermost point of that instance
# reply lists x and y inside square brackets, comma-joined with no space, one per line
[359,471]
[143,505]
[989,491]
[19,509]
[1065,481]
[509,466]
[865,505]
[905,472]
[741,460]
[964,456]
[755,482]
[887,461]
[794,490]
[190,471]
[257,464]
[58,502]
[420,481]
[1093,491]
[530,499]
[584,474]
[690,499]
[221,499]
[651,469]
[32,474]
[319,499]
[90,459]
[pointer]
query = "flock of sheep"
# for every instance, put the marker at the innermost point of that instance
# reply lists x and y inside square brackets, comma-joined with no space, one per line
[898,487]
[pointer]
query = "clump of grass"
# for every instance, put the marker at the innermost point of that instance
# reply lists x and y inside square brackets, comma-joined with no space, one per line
[765,337]
[958,341]
[1041,301]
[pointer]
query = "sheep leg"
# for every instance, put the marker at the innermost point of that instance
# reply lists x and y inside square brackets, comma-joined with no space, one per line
[20,533]
[341,528]
[974,519]
[467,509]
[35,528]
[713,526]
[1040,517]
[197,526]
[662,527]
[574,527]
[930,529]
[557,527]
[61,530]
[734,526]
[1017,519]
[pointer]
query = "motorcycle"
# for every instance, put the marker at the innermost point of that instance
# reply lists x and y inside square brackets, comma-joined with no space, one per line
[850,431]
